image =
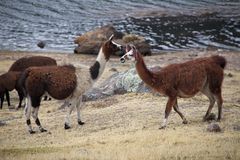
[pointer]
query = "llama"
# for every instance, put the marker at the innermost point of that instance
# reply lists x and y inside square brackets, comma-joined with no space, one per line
[183,80]
[8,82]
[19,66]
[66,83]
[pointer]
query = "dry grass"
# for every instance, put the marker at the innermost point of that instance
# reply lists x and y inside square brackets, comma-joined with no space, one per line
[125,127]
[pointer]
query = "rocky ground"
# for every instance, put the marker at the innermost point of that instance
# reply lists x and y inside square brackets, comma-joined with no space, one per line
[126,126]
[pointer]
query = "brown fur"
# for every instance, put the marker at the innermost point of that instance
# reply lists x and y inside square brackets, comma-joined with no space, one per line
[186,80]
[58,81]
[8,82]
[20,65]
[25,62]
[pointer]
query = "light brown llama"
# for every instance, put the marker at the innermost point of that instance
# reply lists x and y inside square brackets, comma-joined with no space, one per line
[183,80]
[66,83]
[17,67]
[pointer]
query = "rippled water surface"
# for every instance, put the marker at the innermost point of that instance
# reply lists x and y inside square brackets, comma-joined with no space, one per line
[167,24]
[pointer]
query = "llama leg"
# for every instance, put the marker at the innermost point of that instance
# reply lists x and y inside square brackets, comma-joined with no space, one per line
[175,107]
[20,95]
[211,100]
[71,105]
[8,98]
[78,111]
[170,103]
[37,121]
[219,99]
[28,115]
[2,99]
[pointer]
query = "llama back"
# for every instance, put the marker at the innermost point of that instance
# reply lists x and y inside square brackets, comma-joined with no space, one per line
[25,62]
[58,81]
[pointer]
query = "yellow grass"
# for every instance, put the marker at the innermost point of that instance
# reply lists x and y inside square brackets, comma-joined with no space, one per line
[125,127]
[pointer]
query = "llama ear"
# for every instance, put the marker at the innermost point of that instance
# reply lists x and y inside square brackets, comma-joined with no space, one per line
[111,37]
[128,48]
[135,52]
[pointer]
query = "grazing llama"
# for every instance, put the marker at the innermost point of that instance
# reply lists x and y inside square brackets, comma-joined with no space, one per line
[9,80]
[183,80]
[66,83]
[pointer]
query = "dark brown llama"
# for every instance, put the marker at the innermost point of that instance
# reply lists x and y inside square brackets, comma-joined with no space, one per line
[66,83]
[183,80]
[8,82]
[19,66]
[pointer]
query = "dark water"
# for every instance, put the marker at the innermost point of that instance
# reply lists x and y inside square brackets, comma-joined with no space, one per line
[167,24]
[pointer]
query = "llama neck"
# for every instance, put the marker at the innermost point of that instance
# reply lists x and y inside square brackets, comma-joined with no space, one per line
[98,67]
[144,73]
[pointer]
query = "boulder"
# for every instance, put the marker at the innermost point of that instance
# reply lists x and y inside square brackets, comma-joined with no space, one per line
[119,83]
[88,47]
[90,42]
[99,34]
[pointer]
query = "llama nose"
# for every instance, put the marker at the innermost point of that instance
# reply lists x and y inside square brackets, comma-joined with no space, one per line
[122,60]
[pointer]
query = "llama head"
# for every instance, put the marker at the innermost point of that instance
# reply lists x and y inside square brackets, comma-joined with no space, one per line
[131,54]
[109,47]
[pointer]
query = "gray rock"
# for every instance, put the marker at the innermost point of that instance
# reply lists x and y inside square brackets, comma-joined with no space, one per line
[214,127]
[119,83]
[236,127]
[2,123]
[41,44]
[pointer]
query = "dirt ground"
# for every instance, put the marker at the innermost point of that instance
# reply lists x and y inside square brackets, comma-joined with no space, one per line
[126,126]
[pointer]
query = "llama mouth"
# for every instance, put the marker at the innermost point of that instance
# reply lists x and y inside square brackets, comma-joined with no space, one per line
[122,60]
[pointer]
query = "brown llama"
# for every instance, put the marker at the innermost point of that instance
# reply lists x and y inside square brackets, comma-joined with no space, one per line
[19,66]
[8,82]
[183,80]
[66,83]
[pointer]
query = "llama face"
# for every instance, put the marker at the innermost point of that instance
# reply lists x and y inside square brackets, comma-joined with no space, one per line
[130,54]
[111,47]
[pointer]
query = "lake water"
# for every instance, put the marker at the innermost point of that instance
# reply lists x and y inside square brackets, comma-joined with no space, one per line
[167,24]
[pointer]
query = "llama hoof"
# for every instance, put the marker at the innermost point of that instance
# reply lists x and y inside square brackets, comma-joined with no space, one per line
[18,107]
[11,107]
[81,123]
[43,130]
[185,121]
[32,132]
[66,126]
[218,120]
[162,127]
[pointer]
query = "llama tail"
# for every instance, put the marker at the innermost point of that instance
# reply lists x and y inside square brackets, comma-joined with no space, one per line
[21,81]
[221,61]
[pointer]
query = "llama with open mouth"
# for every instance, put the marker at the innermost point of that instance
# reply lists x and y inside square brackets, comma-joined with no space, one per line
[183,80]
